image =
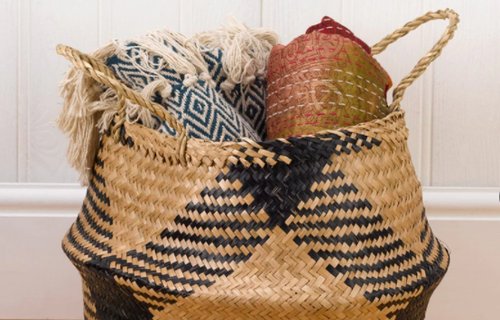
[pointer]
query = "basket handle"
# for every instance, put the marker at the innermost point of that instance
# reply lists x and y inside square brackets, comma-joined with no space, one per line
[102,74]
[424,62]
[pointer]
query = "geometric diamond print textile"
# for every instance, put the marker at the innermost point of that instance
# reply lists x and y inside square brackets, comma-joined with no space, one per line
[207,111]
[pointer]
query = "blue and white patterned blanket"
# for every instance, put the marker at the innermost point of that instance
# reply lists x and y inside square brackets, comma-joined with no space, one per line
[205,110]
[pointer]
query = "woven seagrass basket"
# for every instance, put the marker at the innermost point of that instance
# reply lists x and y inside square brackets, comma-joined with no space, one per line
[329,226]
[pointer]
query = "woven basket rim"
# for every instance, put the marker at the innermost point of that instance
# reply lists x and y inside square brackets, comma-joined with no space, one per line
[154,144]
[359,127]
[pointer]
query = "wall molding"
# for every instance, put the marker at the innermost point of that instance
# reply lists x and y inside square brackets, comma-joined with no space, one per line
[462,203]
[42,200]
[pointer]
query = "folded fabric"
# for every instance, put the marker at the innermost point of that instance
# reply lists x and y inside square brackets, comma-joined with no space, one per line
[248,99]
[195,99]
[324,79]
[189,78]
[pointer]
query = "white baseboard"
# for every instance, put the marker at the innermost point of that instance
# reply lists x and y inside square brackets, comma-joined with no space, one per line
[38,282]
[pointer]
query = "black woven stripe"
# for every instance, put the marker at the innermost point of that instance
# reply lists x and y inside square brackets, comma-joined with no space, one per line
[398,302]
[76,244]
[216,241]
[376,294]
[262,175]
[308,144]
[202,254]
[355,137]
[114,301]
[430,247]
[346,188]
[416,307]
[133,268]
[332,191]
[308,180]
[98,162]
[88,312]
[440,255]
[90,220]
[379,266]
[318,147]
[87,308]
[337,222]
[392,278]
[217,193]
[157,307]
[425,231]
[89,238]
[93,205]
[433,242]
[97,177]
[99,194]
[87,295]
[375,250]
[210,224]
[159,300]
[319,210]
[315,147]
[223,209]
[346,206]
[238,173]
[348,239]
[182,266]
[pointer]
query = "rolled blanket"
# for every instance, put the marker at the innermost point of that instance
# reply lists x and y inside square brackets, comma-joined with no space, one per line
[213,82]
[188,77]
[324,79]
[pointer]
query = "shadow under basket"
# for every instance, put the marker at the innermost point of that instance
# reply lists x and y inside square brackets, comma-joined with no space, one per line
[329,226]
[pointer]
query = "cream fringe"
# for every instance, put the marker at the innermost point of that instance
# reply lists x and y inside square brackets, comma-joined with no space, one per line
[84,107]
[89,108]
[246,51]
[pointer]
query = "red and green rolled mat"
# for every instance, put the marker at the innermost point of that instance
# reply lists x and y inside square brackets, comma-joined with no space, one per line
[323,79]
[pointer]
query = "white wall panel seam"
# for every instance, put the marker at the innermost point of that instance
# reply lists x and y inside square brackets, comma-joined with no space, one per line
[23,90]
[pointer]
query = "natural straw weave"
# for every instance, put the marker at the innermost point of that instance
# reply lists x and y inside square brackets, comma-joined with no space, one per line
[329,226]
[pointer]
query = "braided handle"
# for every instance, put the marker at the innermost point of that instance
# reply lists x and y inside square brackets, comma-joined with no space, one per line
[102,74]
[424,62]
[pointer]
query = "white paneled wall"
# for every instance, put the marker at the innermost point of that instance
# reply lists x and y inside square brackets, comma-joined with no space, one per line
[50,22]
[204,15]
[8,90]
[466,99]
[122,19]
[452,111]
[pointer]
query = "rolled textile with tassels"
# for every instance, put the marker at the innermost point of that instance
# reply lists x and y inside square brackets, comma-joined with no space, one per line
[214,82]
[323,79]
[329,225]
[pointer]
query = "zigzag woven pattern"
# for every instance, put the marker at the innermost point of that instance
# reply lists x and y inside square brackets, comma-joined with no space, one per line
[285,229]
[206,111]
